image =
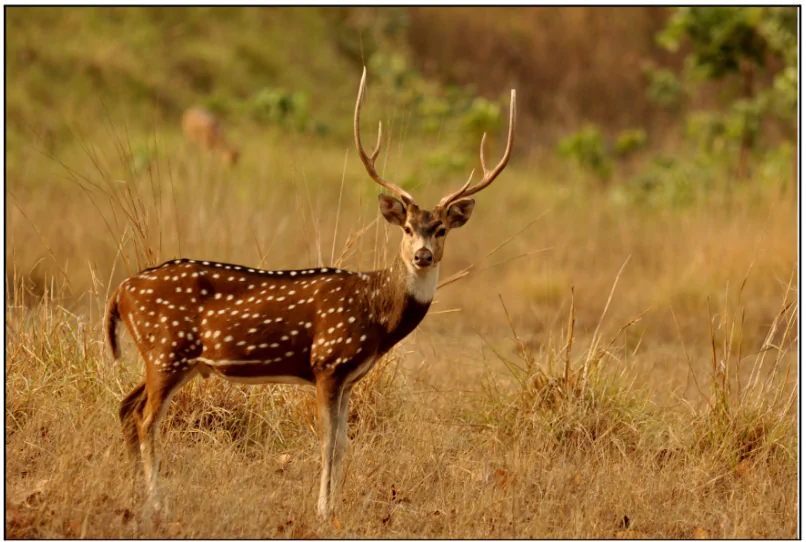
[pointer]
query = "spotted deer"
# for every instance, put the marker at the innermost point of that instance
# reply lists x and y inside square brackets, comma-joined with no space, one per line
[324,327]
[204,129]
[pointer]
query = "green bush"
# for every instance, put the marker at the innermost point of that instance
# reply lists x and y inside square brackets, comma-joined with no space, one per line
[630,141]
[433,111]
[666,182]
[663,87]
[706,131]
[281,107]
[735,46]
[721,39]
[587,148]
[483,116]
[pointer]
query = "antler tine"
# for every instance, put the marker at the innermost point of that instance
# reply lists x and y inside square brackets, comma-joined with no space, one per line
[377,143]
[450,197]
[489,176]
[369,161]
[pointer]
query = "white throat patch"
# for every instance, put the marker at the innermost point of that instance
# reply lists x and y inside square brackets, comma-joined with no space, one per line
[422,283]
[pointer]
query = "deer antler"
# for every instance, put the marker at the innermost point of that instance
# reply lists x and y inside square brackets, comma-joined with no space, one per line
[369,161]
[489,176]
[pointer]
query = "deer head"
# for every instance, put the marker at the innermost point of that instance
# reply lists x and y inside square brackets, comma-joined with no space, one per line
[424,231]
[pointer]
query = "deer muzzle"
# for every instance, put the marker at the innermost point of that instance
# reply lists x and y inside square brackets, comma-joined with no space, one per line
[423,258]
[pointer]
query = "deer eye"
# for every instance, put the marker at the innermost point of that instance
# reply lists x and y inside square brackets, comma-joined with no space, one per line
[407,230]
[441,232]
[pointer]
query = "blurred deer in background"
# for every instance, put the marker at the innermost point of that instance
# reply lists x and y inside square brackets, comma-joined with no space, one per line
[204,129]
[323,327]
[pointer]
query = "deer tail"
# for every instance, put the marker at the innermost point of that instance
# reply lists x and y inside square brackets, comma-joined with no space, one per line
[111,320]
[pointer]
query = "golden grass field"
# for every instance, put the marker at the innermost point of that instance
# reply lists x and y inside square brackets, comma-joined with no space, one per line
[599,369]
[685,320]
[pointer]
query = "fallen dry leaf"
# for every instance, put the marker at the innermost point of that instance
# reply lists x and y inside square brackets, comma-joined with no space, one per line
[125,514]
[74,528]
[174,528]
[37,494]
[16,518]
[337,523]
[34,498]
[397,497]
[701,534]
[284,459]
[503,478]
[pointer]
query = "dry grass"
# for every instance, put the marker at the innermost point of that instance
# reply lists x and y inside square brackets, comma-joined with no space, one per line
[662,405]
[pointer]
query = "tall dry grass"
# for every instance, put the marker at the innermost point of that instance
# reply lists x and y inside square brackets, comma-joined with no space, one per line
[606,373]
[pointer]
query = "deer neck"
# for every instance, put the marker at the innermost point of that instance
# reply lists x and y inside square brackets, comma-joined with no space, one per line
[404,295]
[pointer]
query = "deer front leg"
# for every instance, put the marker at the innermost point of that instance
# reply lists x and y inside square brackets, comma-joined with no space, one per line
[341,442]
[328,398]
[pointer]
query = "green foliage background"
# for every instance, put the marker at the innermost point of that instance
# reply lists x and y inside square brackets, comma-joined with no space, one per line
[711,85]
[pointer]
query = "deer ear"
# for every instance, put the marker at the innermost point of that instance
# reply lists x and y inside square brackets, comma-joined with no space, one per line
[392,210]
[459,212]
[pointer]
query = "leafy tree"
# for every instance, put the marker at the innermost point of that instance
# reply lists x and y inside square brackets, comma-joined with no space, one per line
[735,45]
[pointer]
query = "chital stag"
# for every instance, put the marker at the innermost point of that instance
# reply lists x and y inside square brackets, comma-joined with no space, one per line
[204,129]
[324,327]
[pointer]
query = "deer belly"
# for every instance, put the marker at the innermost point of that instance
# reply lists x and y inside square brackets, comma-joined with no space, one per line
[261,371]
[261,354]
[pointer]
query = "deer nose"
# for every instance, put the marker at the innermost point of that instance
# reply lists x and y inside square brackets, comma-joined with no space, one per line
[423,257]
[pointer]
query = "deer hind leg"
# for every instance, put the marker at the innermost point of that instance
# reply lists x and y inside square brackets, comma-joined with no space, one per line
[328,397]
[134,402]
[160,388]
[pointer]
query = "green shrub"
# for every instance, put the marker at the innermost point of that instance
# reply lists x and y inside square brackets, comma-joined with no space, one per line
[483,116]
[630,141]
[666,182]
[281,107]
[587,148]
[735,46]
[663,87]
